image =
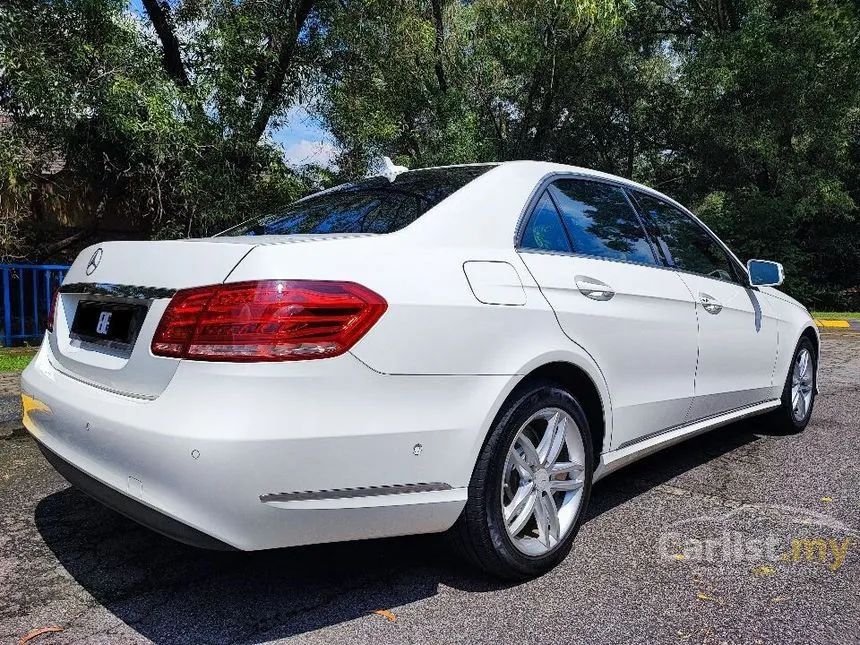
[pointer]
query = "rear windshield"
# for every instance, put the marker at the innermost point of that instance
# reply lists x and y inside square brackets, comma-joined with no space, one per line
[373,205]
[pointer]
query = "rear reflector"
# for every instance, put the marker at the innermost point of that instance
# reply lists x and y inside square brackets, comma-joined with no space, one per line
[270,320]
[52,311]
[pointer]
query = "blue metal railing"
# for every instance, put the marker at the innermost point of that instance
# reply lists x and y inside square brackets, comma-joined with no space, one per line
[27,292]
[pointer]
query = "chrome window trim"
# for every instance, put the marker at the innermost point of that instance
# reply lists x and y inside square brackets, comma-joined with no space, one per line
[652,265]
[537,193]
[626,187]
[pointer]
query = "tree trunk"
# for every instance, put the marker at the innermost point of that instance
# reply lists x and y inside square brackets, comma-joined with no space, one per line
[159,15]
[278,76]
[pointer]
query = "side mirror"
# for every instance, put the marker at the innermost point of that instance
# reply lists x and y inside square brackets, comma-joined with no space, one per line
[765,274]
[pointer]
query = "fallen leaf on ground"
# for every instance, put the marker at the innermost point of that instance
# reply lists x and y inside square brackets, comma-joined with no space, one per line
[38,631]
[386,614]
[826,499]
[704,596]
[678,556]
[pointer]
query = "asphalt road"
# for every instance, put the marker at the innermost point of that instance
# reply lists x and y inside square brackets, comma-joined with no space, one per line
[641,570]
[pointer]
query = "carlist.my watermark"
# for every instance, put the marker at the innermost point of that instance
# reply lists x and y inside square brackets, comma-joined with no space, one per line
[811,538]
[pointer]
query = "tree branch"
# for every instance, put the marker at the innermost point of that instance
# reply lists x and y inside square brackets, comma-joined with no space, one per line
[278,76]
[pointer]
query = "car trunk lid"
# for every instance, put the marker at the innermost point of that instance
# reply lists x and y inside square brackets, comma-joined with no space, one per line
[112,299]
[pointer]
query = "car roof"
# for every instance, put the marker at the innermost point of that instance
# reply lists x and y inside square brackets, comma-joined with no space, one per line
[541,169]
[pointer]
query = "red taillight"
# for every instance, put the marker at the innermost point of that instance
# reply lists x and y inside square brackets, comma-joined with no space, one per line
[49,324]
[270,320]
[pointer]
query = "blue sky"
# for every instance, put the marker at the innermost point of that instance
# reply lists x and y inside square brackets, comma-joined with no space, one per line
[302,137]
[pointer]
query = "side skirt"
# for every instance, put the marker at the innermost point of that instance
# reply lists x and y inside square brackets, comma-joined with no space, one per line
[615,459]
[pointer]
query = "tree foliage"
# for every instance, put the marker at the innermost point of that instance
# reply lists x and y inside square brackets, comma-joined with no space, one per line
[747,110]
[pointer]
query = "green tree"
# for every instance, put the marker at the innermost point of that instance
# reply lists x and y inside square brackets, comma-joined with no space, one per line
[164,122]
[766,137]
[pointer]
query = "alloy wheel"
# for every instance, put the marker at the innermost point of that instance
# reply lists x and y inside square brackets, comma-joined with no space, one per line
[802,385]
[542,481]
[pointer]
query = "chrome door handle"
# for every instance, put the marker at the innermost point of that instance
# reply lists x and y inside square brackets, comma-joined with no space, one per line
[594,289]
[710,304]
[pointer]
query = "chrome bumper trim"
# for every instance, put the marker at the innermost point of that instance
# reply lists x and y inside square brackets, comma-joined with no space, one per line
[349,493]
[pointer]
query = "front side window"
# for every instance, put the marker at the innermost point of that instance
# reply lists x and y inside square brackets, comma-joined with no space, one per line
[684,243]
[374,205]
[600,222]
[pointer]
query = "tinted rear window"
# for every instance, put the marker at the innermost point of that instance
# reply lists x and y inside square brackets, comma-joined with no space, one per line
[373,205]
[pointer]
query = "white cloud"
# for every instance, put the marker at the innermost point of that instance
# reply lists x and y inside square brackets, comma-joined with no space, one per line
[304,152]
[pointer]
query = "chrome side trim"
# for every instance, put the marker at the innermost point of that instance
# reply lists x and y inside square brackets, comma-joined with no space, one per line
[618,458]
[706,419]
[349,493]
[117,290]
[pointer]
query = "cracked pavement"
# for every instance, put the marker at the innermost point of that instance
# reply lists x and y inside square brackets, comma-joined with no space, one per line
[667,555]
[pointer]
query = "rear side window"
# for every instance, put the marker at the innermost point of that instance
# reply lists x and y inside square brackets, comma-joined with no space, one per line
[545,231]
[684,243]
[600,222]
[373,205]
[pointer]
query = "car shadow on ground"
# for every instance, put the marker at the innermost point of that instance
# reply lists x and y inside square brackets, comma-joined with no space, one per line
[172,593]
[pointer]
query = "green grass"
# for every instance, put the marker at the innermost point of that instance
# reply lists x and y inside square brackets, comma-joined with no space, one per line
[836,315]
[15,359]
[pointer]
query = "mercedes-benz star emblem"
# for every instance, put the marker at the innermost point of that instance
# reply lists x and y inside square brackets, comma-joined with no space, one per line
[93,264]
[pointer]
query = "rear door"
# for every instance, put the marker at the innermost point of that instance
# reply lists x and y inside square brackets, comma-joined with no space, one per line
[586,248]
[737,328]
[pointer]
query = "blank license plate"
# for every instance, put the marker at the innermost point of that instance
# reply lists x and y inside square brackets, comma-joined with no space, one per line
[107,323]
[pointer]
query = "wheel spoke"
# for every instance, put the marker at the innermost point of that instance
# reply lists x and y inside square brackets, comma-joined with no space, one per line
[519,500]
[522,466]
[803,364]
[529,451]
[564,468]
[552,516]
[558,437]
[564,485]
[542,520]
[801,406]
[525,514]
[546,516]
[545,445]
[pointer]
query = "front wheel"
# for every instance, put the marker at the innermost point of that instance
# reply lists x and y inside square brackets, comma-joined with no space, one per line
[798,395]
[530,486]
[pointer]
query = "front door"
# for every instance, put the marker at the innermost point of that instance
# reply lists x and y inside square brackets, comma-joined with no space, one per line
[737,329]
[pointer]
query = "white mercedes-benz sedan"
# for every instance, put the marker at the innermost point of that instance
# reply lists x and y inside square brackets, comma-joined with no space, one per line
[463,349]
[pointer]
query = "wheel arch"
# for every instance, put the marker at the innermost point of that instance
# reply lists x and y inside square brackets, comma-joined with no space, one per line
[584,382]
[576,381]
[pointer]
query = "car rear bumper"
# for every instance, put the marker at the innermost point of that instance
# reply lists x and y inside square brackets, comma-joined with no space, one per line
[271,456]
[121,503]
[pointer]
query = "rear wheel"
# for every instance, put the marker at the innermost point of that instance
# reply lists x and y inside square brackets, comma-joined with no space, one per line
[798,395]
[530,486]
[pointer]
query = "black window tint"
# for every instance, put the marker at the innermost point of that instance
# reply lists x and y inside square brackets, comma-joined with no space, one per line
[684,243]
[600,222]
[545,231]
[373,205]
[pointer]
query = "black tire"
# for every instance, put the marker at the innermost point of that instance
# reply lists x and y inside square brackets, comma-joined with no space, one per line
[480,534]
[783,420]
